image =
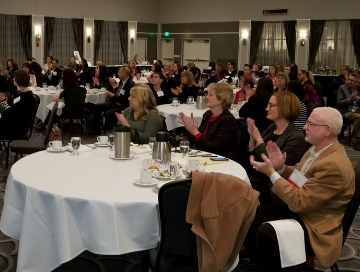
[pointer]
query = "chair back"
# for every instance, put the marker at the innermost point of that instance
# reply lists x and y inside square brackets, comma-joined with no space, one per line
[176,235]
[50,124]
[33,115]
[74,102]
[311,107]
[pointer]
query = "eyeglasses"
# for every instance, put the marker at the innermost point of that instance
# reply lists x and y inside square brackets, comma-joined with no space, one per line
[352,80]
[271,105]
[311,125]
[299,74]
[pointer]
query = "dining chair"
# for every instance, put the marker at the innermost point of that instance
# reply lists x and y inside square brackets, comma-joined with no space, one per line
[30,147]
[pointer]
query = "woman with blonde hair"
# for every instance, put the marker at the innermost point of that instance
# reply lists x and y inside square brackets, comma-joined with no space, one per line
[132,67]
[141,114]
[187,87]
[218,131]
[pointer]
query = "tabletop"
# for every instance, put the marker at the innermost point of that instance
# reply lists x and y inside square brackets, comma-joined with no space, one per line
[61,205]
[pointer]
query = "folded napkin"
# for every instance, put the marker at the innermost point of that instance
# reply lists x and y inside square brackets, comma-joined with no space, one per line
[60,107]
[204,160]
[291,241]
[140,149]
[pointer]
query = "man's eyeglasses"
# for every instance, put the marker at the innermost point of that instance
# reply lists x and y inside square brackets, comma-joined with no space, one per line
[311,125]
[271,105]
[352,80]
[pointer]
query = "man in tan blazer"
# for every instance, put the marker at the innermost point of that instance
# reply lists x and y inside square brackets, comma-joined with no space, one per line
[319,205]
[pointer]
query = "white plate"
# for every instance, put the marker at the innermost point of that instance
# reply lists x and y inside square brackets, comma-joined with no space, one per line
[57,150]
[53,92]
[163,178]
[153,182]
[102,145]
[121,159]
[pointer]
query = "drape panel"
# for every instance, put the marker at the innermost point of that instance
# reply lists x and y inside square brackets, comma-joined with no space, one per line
[290,35]
[272,46]
[78,28]
[98,24]
[123,32]
[48,35]
[355,31]
[25,29]
[256,31]
[316,31]
[336,46]
[11,42]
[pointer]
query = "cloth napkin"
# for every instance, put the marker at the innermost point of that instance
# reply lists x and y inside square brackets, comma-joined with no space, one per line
[61,105]
[204,160]
[140,149]
[291,241]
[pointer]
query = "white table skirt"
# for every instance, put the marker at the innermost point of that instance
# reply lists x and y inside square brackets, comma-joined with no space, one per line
[59,205]
[46,98]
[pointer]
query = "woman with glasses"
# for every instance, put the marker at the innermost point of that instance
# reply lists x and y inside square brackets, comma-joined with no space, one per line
[283,109]
[309,91]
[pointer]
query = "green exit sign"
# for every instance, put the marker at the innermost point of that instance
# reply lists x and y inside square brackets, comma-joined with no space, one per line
[166,34]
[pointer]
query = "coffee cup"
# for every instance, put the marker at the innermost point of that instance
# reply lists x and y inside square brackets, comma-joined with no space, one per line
[193,165]
[145,177]
[103,140]
[55,145]
[175,102]
[103,89]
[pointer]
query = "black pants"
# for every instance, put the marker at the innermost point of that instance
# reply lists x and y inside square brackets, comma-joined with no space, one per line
[261,240]
[109,110]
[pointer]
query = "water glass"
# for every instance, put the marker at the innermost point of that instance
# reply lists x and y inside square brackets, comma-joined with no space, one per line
[152,141]
[75,143]
[175,102]
[87,86]
[184,148]
[111,140]
[45,86]
[190,100]
[173,169]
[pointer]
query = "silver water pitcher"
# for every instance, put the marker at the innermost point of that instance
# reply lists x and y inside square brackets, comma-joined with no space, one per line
[122,141]
[162,148]
[201,101]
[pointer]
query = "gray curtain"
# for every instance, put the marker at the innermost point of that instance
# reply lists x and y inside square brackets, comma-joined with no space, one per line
[98,24]
[48,35]
[78,27]
[256,31]
[355,34]
[290,34]
[123,32]
[316,32]
[11,42]
[25,29]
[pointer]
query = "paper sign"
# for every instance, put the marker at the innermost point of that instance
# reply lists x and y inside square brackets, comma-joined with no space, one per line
[297,179]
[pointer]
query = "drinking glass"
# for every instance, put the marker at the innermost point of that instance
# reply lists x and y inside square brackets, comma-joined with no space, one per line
[114,76]
[75,143]
[184,148]
[111,140]
[173,168]
[45,87]
[152,140]
[190,100]
[87,86]
[175,102]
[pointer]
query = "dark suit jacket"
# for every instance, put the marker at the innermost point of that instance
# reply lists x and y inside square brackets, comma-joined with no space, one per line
[123,99]
[343,102]
[56,79]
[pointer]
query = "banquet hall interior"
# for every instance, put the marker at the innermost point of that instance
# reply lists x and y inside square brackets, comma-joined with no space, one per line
[321,37]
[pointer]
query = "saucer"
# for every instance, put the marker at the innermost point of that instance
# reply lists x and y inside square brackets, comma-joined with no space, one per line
[102,145]
[152,183]
[53,92]
[121,159]
[63,149]
[163,178]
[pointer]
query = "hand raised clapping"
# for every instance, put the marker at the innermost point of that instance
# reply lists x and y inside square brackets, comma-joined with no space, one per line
[189,123]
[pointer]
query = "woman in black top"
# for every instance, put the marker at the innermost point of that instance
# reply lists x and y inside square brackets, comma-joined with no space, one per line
[12,66]
[15,116]
[197,76]
[85,73]
[101,79]
[187,87]
[161,94]
[176,77]
[38,73]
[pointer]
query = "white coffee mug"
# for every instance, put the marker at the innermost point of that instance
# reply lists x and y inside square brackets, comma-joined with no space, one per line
[55,145]
[175,102]
[145,177]
[193,165]
[103,140]
[103,89]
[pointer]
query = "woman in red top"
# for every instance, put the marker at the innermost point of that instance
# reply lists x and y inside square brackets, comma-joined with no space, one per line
[132,67]
[245,82]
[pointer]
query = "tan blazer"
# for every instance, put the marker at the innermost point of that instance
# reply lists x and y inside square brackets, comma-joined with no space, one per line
[323,199]
[221,208]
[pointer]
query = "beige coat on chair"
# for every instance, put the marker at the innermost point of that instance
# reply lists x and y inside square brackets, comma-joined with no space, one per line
[221,208]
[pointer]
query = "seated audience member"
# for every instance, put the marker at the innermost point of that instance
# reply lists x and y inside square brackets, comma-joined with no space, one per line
[98,63]
[160,63]
[27,67]
[101,78]
[293,72]
[319,205]
[85,73]
[231,69]
[12,66]
[53,75]
[348,102]
[31,59]
[48,64]
[118,100]
[136,59]
[287,69]
[73,65]
[272,74]
[279,68]
[197,76]
[257,68]
[257,105]
[15,116]
[38,73]
[176,77]
[281,81]
[309,91]
[141,114]
[168,68]
[297,88]
[161,94]
[187,87]
[218,131]
[341,79]
[132,67]
[283,109]
[246,82]
[219,76]
[189,65]
[247,71]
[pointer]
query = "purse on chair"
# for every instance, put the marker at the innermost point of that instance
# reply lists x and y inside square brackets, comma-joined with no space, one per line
[56,134]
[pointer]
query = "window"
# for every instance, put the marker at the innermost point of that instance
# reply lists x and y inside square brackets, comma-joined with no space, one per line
[110,46]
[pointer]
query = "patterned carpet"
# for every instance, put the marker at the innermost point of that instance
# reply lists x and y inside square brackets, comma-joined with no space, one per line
[89,262]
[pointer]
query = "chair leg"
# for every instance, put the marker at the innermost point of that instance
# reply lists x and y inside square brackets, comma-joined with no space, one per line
[350,134]
[7,155]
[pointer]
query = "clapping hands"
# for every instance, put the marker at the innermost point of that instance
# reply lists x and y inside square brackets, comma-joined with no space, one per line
[189,123]
[121,118]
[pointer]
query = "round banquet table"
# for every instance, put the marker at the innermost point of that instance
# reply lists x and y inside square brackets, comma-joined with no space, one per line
[46,98]
[59,205]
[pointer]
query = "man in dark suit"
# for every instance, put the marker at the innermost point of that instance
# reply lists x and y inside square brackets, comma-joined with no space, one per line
[54,74]
[118,100]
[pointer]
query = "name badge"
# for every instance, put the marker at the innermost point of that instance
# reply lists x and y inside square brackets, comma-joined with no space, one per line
[55,73]
[16,100]
[122,91]
[160,93]
[297,179]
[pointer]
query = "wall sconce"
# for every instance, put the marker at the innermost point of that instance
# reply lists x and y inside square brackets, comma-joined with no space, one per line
[244,36]
[132,35]
[302,35]
[37,35]
[88,34]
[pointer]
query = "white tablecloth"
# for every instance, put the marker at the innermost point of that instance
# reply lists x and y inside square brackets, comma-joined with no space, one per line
[141,81]
[59,205]
[46,98]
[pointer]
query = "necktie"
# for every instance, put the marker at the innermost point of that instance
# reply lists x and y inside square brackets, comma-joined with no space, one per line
[119,89]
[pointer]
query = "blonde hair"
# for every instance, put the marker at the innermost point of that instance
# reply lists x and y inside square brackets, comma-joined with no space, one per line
[190,78]
[99,62]
[311,77]
[288,105]
[224,92]
[146,98]
[133,63]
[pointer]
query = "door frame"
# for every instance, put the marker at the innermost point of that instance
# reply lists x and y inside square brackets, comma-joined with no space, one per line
[161,57]
[141,38]
[182,47]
